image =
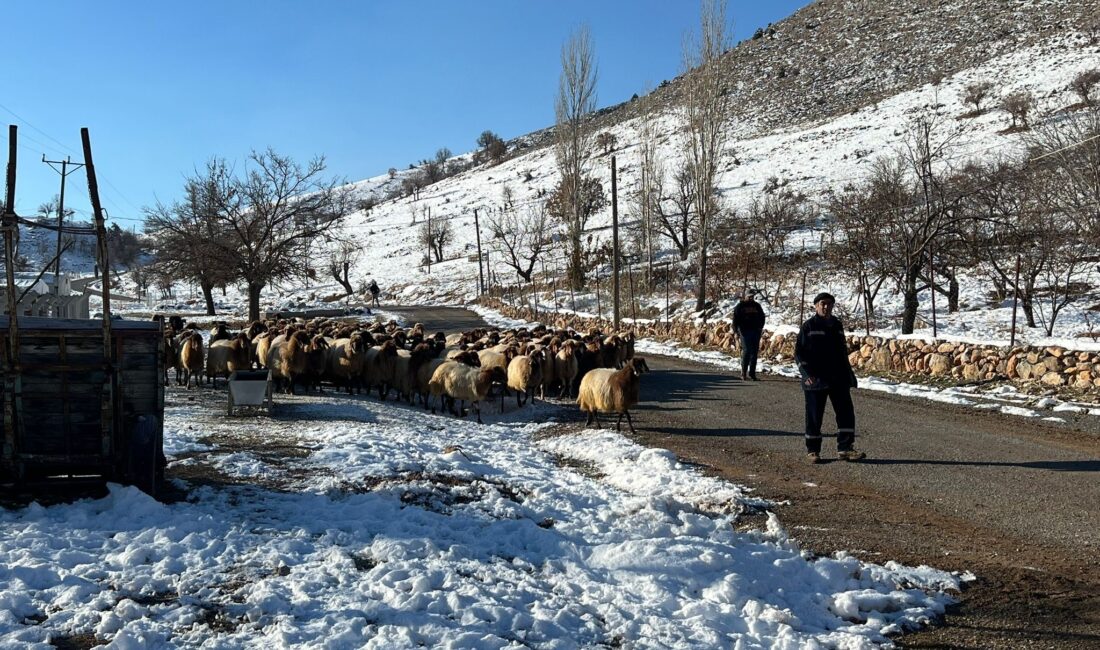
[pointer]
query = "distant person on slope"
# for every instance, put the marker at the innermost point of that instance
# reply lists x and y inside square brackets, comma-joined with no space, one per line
[374,291]
[748,322]
[822,356]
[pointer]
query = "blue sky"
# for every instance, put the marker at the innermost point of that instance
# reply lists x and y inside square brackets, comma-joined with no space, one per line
[165,86]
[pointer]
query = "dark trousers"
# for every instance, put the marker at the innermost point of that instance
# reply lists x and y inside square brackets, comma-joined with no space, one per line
[750,348]
[841,396]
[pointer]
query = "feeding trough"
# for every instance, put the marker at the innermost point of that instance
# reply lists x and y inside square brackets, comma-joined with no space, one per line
[250,388]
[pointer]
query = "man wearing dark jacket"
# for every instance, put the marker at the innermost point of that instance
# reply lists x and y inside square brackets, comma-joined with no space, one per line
[822,356]
[748,322]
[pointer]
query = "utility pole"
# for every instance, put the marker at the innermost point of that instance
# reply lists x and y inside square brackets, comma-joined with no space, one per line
[480,275]
[429,239]
[11,359]
[614,245]
[64,171]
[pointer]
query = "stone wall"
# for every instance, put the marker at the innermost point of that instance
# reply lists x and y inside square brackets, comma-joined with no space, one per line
[1057,368]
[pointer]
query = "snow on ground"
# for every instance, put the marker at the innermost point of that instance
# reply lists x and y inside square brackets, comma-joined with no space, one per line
[344,522]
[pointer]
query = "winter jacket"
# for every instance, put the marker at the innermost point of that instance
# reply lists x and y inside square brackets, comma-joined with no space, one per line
[822,353]
[748,315]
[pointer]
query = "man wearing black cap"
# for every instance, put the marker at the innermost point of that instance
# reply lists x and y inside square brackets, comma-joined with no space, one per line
[748,322]
[822,356]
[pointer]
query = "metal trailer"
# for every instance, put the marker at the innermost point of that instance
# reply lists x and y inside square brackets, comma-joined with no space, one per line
[70,414]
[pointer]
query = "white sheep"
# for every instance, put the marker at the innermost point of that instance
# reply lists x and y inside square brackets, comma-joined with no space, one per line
[457,381]
[611,391]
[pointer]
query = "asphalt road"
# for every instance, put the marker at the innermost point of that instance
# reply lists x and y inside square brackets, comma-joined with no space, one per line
[1013,500]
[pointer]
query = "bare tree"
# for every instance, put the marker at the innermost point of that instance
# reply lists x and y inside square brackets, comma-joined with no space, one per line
[772,218]
[704,113]
[1018,105]
[1083,84]
[647,196]
[183,234]
[520,237]
[436,234]
[492,146]
[270,214]
[607,141]
[343,256]
[975,94]
[675,212]
[573,145]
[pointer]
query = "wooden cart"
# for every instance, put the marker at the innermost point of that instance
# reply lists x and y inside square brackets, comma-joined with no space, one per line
[70,414]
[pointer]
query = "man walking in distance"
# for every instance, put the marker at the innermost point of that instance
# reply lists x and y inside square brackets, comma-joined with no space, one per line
[374,291]
[748,322]
[822,356]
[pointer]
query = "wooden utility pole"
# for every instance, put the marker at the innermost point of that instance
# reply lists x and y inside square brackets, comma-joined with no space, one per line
[668,314]
[802,302]
[106,421]
[932,286]
[64,171]
[429,239]
[1015,302]
[614,245]
[480,275]
[633,302]
[11,359]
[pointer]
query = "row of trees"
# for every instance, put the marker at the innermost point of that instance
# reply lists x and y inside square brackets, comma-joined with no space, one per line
[254,227]
[920,219]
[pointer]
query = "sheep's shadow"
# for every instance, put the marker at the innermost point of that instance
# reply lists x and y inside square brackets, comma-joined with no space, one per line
[669,386]
[723,432]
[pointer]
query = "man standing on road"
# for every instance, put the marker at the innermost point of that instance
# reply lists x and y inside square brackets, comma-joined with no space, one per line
[374,291]
[748,322]
[822,356]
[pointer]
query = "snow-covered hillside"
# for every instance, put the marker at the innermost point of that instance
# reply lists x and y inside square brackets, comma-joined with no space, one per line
[810,157]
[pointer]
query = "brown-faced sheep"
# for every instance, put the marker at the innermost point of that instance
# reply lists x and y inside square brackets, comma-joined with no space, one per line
[223,357]
[316,362]
[191,358]
[287,359]
[378,367]
[525,373]
[611,391]
[347,358]
[566,366]
[457,381]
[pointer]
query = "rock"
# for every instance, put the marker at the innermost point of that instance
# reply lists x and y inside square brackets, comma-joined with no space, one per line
[881,359]
[854,359]
[1055,352]
[1010,366]
[1082,356]
[945,348]
[1053,364]
[970,372]
[938,365]
[1053,379]
[1033,357]
[866,351]
[1023,369]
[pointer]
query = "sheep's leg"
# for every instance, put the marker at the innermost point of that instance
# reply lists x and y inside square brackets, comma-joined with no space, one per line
[382,390]
[630,422]
[519,399]
[477,409]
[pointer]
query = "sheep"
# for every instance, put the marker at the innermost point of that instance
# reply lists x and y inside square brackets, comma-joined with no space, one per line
[287,359]
[378,367]
[220,332]
[525,374]
[427,369]
[346,361]
[611,391]
[457,381]
[566,366]
[261,346]
[316,362]
[224,357]
[171,354]
[191,358]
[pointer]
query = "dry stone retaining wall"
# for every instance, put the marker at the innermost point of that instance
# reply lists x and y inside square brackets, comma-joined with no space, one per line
[1048,367]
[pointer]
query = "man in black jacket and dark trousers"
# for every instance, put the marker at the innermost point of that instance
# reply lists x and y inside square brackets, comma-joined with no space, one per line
[748,322]
[822,356]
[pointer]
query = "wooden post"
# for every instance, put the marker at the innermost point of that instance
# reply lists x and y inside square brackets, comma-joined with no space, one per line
[599,307]
[11,357]
[429,240]
[1015,302]
[572,296]
[932,285]
[866,302]
[633,303]
[614,246]
[802,303]
[480,276]
[106,422]
[668,316]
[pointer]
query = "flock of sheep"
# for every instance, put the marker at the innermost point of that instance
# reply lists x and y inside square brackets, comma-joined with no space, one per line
[598,368]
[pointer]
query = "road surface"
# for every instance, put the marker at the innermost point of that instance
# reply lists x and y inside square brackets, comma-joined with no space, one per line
[1014,500]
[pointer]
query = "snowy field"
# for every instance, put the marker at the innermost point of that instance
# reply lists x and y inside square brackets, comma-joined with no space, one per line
[345,522]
